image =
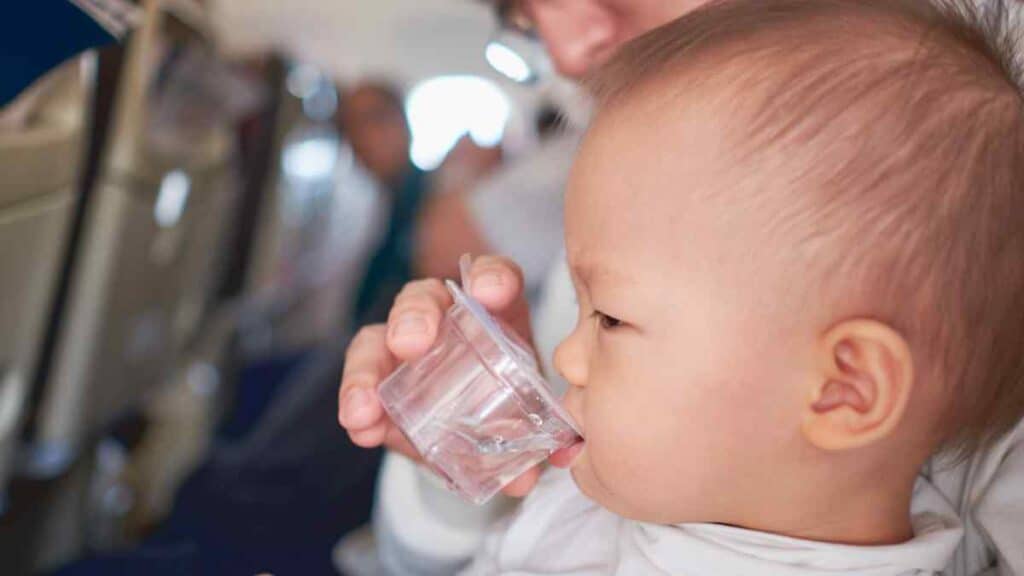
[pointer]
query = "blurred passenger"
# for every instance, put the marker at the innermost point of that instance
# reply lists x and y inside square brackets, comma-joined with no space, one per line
[372,117]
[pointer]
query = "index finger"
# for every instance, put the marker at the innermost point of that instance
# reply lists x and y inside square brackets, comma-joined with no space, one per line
[367,362]
[415,317]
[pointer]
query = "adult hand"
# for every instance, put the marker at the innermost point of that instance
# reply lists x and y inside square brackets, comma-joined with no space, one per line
[412,326]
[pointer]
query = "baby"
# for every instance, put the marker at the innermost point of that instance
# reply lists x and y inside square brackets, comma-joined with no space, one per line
[795,233]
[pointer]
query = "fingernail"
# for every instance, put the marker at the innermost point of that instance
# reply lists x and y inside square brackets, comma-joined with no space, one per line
[356,401]
[488,280]
[409,324]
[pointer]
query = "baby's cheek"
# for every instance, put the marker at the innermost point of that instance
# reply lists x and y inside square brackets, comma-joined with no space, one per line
[626,477]
[619,441]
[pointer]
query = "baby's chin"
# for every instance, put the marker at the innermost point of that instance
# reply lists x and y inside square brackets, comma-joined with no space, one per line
[598,494]
[582,477]
[591,486]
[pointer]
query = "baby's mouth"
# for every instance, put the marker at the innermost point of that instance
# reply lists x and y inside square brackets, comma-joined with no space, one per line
[564,457]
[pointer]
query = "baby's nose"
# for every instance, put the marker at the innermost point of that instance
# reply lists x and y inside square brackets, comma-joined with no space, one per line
[570,361]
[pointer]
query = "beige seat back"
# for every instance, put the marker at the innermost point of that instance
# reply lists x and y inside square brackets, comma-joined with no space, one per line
[151,234]
[41,143]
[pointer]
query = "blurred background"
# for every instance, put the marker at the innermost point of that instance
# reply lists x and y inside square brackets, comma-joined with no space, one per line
[200,202]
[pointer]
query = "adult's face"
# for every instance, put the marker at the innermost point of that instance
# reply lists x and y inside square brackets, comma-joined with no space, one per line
[581,34]
[376,127]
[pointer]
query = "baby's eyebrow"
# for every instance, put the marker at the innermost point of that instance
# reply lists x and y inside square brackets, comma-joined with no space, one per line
[591,269]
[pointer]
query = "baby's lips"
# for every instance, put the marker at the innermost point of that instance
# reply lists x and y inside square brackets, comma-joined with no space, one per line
[564,457]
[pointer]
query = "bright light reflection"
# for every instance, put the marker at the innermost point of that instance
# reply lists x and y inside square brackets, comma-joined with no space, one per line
[171,199]
[508,62]
[310,159]
[441,110]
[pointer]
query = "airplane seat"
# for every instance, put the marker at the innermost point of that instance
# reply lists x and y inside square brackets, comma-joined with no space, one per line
[41,143]
[144,273]
[143,267]
[141,272]
[42,148]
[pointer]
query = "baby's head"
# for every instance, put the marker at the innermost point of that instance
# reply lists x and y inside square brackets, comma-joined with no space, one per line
[795,232]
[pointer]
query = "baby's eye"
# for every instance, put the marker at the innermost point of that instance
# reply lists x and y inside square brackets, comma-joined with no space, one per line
[605,321]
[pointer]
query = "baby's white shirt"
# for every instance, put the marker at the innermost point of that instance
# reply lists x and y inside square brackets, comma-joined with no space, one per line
[558,530]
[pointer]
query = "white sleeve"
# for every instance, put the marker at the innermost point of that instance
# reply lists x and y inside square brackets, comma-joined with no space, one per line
[421,528]
[518,210]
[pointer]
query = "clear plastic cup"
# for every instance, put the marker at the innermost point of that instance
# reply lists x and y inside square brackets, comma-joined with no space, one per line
[475,405]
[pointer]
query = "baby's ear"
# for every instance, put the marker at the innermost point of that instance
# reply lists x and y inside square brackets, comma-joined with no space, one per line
[860,392]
